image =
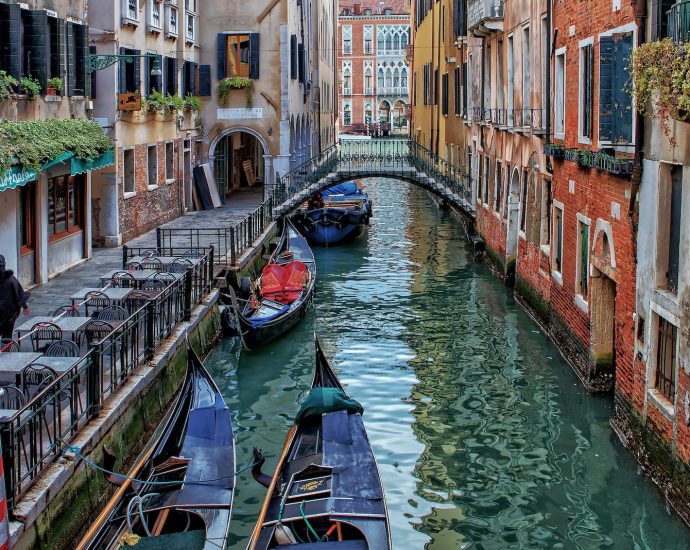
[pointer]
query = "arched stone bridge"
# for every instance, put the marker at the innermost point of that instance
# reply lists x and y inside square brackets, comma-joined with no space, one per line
[363,158]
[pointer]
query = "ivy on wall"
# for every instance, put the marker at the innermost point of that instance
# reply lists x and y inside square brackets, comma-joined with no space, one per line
[32,143]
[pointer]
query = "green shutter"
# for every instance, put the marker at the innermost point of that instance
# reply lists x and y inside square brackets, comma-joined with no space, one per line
[622,98]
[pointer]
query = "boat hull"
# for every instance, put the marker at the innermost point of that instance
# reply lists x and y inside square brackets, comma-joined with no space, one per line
[329,226]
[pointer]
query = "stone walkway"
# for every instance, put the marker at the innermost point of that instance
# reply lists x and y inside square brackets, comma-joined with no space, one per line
[45,299]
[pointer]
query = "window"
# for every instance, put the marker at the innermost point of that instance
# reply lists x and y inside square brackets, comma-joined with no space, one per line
[368,39]
[456,91]
[487,178]
[526,74]
[64,205]
[557,239]
[559,96]
[545,213]
[132,10]
[586,89]
[152,82]
[486,77]
[436,86]
[499,75]
[27,211]
[615,99]
[170,161]
[499,186]
[511,81]
[171,20]
[444,94]
[128,171]
[155,18]
[170,75]
[670,209]
[523,201]
[152,163]
[129,73]
[190,32]
[347,78]
[347,114]
[238,55]
[368,78]
[464,89]
[545,64]
[582,269]
[76,43]
[480,177]
[190,5]
[347,39]
[665,377]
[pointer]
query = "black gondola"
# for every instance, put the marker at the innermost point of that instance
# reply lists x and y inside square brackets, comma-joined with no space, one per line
[326,491]
[271,312]
[179,493]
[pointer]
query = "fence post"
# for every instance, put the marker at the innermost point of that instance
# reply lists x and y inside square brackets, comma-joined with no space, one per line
[233,253]
[159,239]
[211,263]
[8,479]
[124,256]
[149,345]
[93,383]
[187,295]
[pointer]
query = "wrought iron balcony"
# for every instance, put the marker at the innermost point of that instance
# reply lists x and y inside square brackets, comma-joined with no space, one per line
[679,22]
[485,15]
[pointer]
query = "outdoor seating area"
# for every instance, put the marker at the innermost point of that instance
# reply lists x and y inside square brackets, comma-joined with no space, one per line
[58,369]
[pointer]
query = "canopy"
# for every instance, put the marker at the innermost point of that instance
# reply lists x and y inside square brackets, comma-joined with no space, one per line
[326,400]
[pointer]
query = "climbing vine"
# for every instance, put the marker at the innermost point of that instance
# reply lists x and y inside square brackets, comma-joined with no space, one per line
[34,142]
[661,77]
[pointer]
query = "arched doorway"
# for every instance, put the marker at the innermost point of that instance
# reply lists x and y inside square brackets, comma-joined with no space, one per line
[399,120]
[513,215]
[239,162]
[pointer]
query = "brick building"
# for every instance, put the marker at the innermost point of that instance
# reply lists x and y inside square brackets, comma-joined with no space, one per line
[374,75]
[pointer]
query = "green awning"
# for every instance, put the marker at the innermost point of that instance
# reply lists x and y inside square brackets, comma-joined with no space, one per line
[21,175]
[80,166]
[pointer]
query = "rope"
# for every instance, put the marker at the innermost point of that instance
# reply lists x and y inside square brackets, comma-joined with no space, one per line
[304,517]
[77,452]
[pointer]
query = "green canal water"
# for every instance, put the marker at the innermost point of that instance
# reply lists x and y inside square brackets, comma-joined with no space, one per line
[483,435]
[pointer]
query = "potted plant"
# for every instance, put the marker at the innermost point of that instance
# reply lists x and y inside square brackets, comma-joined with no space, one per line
[55,86]
[31,87]
[235,83]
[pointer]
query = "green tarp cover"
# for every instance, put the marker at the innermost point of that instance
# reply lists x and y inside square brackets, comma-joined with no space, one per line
[80,166]
[326,400]
[189,540]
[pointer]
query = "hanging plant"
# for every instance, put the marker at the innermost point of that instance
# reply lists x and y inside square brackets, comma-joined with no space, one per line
[156,102]
[661,81]
[192,103]
[7,84]
[235,83]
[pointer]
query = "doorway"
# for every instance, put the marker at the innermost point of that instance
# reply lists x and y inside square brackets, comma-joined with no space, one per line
[513,215]
[602,310]
[238,163]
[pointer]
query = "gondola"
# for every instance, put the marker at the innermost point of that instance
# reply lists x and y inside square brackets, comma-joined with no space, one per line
[179,493]
[326,491]
[280,298]
[339,214]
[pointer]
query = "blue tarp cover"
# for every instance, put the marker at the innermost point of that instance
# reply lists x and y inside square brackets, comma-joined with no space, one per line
[346,188]
[257,322]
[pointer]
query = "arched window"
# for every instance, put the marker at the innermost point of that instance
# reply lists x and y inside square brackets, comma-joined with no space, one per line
[380,40]
[403,41]
[396,78]
[368,84]
[347,80]
[403,78]
[380,78]
[367,114]
[389,42]
[347,114]
[389,78]
[396,41]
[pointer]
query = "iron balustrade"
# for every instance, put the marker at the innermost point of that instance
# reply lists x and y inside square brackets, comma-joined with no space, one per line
[244,233]
[32,438]
[679,22]
[453,177]
[173,240]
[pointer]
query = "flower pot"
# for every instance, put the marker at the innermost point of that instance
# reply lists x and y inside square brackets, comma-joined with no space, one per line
[51,90]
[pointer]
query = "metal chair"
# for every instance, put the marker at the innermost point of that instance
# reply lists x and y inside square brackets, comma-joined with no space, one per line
[95,302]
[150,252]
[66,311]
[164,276]
[134,266]
[36,375]
[136,300]
[42,334]
[9,345]
[62,348]
[152,263]
[153,284]
[179,265]
[113,313]
[122,279]
[96,330]
[11,397]
[194,254]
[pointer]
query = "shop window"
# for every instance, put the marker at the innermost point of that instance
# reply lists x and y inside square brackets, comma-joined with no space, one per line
[128,170]
[170,161]
[27,211]
[665,376]
[64,205]
[152,164]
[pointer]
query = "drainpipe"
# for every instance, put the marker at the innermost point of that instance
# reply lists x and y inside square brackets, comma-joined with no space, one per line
[549,22]
[432,78]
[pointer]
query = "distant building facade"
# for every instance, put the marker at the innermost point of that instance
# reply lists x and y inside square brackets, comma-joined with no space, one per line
[374,73]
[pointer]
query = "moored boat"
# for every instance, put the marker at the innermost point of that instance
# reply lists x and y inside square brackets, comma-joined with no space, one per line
[336,215]
[179,493]
[280,297]
[326,491]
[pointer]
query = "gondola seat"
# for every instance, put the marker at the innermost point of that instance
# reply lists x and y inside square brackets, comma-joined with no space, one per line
[284,283]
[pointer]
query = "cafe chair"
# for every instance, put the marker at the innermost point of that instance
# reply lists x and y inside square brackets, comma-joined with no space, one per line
[43,334]
[9,345]
[95,302]
[62,348]
[11,397]
[37,376]
[122,279]
[96,331]
[113,313]
[152,263]
[136,300]
[66,311]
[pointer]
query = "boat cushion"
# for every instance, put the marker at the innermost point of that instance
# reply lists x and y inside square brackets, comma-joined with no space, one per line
[326,400]
[283,283]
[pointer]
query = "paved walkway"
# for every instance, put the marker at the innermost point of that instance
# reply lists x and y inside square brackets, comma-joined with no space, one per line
[55,293]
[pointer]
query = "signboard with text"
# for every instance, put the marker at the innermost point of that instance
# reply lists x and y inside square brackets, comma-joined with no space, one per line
[239,114]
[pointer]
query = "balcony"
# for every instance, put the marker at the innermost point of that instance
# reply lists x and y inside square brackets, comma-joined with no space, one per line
[382,52]
[679,22]
[368,91]
[347,91]
[484,16]
[391,90]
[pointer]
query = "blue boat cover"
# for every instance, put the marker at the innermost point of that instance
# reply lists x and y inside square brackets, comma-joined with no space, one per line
[345,188]
[257,322]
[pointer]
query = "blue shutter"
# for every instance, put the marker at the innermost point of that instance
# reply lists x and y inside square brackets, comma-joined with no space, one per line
[622,99]
[137,70]
[293,56]
[221,45]
[606,83]
[254,54]
[122,73]
[36,41]
[204,80]
[10,39]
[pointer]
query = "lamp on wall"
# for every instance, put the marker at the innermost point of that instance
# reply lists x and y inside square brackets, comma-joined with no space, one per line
[270,131]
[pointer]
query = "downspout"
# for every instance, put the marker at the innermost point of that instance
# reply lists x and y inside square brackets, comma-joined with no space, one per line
[432,78]
[549,166]
[439,89]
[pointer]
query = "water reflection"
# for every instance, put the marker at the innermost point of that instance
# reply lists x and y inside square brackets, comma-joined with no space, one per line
[483,436]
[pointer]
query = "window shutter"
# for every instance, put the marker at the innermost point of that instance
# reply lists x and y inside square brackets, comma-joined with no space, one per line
[204,80]
[221,61]
[606,75]
[70,48]
[293,56]
[254,54]
[659,18]
[137,70]
[36,52]
[92,76]
[464,89]
[83,82]
[300,50]
[10,39]
[122,73]
[57,48]
[622,99]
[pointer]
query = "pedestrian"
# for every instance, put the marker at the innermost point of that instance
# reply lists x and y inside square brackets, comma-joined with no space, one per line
[13,299]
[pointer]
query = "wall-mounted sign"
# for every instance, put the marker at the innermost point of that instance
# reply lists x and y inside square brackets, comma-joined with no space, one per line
[239,114]
[129,102]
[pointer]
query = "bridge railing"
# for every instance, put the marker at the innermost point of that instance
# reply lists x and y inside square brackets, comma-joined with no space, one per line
[367,156]
[455,178]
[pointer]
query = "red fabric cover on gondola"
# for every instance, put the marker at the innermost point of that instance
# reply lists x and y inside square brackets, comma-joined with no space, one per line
[283,283]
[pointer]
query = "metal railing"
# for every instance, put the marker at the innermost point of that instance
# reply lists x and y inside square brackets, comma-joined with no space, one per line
[479,11]
[679,22]
[453,177]
[243,234]
[33,437]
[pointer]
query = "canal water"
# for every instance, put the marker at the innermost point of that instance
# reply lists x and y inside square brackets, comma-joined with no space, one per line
[483,435]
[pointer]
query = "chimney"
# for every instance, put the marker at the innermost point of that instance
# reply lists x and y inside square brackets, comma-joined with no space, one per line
[358,8]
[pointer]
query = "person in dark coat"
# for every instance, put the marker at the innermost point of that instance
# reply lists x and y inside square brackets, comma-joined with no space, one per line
[13,299]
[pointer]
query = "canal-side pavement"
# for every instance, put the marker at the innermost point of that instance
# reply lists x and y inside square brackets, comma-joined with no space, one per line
[45,299]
